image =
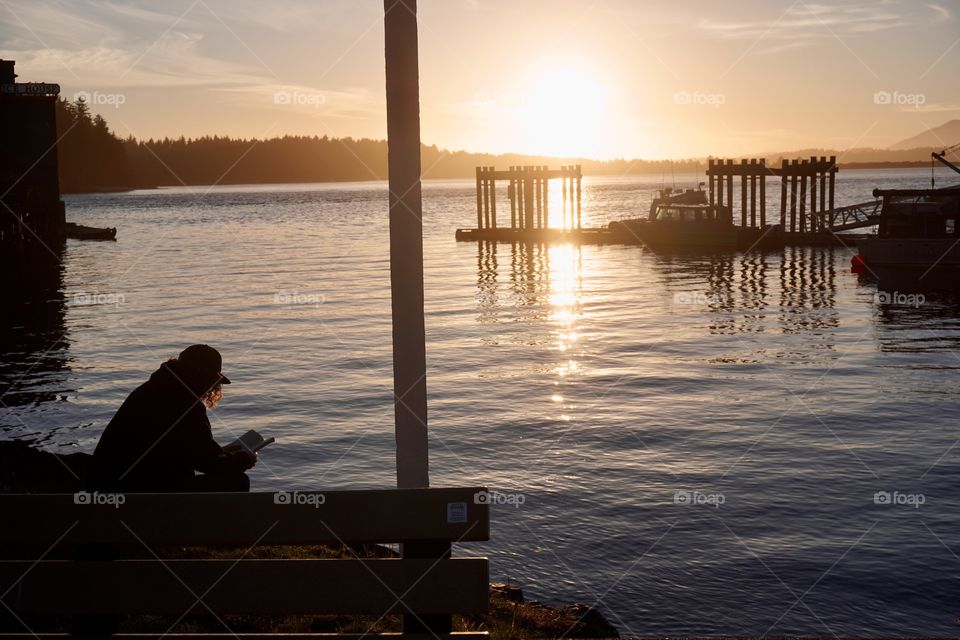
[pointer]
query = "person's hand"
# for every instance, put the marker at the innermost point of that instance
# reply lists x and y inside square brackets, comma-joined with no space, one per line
[247,458]
[251,457]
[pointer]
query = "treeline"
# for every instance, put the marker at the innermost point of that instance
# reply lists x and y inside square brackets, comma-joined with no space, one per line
[92,158]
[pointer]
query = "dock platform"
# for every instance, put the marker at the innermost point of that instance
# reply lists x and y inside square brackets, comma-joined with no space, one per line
[603,235]
[583,235]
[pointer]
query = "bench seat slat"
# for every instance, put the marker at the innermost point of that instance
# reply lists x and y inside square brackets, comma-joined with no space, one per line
[462,635]
[242,519]
[246,587]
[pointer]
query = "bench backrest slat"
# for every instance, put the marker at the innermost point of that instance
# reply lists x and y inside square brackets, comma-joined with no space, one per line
[244,519]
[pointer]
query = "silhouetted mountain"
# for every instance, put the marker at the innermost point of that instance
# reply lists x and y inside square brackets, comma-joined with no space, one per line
[937,138]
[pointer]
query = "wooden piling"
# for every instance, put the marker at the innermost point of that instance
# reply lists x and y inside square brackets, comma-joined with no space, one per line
[564,180]
[753,193]
[528,197]
[579,200]
[743,192]
[784,172]
[486,202]
[823,185]
[730,183]
[546,200]
[813,194]
[479,199]
[720,182]
[763,192]
[833,176]
[803,197]
[512,192]
[793,196]
[710,179]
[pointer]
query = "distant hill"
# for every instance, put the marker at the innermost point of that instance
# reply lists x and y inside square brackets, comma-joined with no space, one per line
[937,138]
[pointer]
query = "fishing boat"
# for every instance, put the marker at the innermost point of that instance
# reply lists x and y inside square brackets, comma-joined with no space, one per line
[686,220]
[917,229]
[81,232]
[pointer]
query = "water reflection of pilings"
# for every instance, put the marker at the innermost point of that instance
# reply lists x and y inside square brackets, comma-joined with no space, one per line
[527,292]
[808,289]
[34,357]
[487,272]
[529,279]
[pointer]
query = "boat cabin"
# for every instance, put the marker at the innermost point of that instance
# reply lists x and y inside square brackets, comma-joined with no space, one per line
[927,215]
[692,213]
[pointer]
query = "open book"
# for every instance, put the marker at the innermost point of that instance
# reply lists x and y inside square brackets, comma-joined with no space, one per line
[251,441]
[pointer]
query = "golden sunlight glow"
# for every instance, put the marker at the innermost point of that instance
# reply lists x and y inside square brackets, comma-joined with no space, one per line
[565,288]
[564,113]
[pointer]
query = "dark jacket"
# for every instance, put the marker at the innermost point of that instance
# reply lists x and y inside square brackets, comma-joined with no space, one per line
[158,438]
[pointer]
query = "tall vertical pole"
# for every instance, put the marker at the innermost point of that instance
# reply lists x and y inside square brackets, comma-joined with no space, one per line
[406,279]
[406,242]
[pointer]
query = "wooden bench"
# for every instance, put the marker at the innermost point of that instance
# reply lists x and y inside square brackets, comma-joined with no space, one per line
[92,533]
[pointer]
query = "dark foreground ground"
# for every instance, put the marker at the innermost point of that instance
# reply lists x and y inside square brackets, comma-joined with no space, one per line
[24,469]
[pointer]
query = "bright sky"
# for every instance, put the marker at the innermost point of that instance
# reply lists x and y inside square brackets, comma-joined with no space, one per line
[598,78]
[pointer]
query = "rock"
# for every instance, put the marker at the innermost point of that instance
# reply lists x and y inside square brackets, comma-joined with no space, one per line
[510,614]
[591,623]
[506,592]
[24,469]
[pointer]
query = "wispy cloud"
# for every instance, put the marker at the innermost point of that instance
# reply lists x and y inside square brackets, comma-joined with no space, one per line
[940,13]
[806,22]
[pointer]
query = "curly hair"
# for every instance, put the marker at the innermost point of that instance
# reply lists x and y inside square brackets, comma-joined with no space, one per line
[213,397]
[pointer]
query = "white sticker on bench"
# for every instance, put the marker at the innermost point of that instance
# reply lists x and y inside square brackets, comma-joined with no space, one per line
[456,512]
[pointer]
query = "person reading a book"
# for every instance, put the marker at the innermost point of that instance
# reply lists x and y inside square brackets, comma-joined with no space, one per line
[160,439]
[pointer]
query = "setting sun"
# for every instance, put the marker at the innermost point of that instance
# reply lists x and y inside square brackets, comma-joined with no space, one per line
[565,112]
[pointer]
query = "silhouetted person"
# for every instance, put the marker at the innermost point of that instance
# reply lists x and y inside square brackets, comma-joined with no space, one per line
[161,436]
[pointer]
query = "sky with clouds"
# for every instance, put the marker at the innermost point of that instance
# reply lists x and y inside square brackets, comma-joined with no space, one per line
[600,78]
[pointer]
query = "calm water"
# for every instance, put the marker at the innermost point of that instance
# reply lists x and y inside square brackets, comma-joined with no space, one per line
[598,383]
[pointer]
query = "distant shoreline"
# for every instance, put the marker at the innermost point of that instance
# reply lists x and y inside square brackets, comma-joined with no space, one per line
[842,166]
